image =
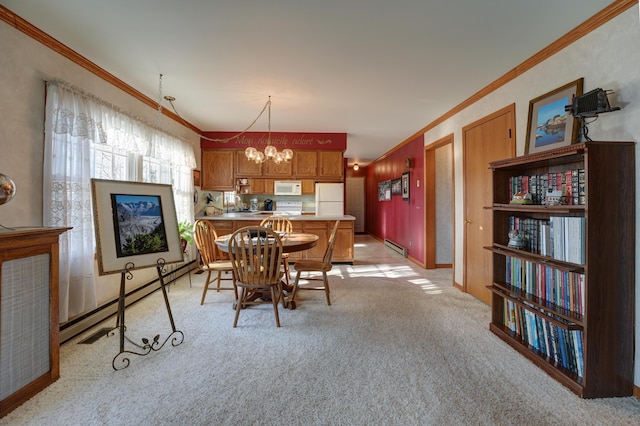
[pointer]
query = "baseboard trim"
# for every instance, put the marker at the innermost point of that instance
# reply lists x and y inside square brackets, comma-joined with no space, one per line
[79,325]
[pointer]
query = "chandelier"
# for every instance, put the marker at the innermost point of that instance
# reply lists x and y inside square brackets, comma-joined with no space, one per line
[270,152]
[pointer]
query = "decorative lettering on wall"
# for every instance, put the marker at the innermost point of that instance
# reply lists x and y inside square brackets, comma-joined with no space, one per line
[281,140]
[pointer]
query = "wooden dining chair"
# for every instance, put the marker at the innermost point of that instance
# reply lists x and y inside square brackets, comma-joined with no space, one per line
[280,223]
[211,261]
[256,256]
[310,266]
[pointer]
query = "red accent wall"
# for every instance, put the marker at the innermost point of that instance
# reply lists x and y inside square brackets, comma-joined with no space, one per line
[281,140]
[400,220]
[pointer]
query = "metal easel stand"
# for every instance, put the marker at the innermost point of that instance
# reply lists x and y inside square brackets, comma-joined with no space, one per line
[121,360]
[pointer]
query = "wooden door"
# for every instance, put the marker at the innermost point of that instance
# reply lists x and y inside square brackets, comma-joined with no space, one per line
[488,139]
[354,201]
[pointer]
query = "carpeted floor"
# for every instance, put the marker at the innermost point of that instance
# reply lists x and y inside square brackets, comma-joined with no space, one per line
[399,345]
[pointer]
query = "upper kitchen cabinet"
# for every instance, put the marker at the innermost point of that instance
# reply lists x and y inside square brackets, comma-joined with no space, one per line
[330,165]
[217,170]
[245,167]
[305,164]
[274,170]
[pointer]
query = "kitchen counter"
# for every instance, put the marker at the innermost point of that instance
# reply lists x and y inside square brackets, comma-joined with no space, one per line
[321,226]
[262,214]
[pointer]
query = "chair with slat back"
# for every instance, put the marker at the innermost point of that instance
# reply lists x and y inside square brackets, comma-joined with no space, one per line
[256,256]
[211,261]
[280,223]
[310,266]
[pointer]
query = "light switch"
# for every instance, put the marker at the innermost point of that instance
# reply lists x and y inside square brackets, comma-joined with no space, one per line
[418,183]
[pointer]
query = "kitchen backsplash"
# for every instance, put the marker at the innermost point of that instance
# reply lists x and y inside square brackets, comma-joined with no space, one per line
[215,198]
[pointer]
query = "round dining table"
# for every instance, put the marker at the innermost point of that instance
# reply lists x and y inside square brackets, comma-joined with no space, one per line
[291,242]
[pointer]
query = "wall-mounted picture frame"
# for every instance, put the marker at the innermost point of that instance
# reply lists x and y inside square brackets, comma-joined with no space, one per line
[384,190]
[550,125]
[396,187]
[135,225]
[405,186]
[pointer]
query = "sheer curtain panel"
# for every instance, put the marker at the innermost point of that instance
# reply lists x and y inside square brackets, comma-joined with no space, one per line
[86,138]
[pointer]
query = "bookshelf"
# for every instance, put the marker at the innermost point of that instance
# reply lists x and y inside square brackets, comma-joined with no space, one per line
[563,293]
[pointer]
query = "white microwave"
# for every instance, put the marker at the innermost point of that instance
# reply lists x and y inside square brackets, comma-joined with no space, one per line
[287,187]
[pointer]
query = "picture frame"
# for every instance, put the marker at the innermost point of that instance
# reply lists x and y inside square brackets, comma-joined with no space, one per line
[550,125]
[405,186]
[384,190]
[135,225]
[396,187]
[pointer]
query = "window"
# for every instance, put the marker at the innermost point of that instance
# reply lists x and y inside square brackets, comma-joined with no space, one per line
[87,138]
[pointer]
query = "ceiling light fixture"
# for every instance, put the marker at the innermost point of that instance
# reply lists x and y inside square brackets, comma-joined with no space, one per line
[270,151]
[356,167]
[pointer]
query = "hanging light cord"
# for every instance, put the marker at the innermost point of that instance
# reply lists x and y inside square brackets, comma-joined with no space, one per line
[171,99]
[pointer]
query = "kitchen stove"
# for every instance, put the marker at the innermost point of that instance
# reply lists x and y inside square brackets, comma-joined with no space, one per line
[288,208]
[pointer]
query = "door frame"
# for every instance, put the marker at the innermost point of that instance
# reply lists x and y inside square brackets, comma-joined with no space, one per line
[430,201]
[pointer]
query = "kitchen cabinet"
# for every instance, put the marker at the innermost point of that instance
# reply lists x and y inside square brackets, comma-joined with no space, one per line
[305,164]
[278,170]
[218,170]
[257,186]
[330,165]
[345,240]
[308,186]
[246,168]
[221,168]
[318,227]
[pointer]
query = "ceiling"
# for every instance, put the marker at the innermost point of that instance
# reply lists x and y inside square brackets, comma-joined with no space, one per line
[378,70]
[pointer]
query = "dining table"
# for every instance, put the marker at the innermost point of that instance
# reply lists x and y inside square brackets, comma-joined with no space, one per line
[291,242]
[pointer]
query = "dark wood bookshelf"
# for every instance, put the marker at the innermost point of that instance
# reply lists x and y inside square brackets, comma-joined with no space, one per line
[604,345]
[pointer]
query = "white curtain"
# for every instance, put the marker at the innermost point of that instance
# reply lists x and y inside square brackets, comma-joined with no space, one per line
[87,138]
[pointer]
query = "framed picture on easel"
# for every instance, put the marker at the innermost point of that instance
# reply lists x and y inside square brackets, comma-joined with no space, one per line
[135,225]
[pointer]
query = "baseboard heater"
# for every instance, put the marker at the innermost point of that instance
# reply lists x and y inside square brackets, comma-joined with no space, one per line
[109,309]
[395,247]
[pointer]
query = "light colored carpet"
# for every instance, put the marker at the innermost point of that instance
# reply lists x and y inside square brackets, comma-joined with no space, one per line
[399,345]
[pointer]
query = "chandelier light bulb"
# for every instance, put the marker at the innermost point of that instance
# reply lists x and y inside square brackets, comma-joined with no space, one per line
[259,157]
[287,154]
[270,151]
[251,153]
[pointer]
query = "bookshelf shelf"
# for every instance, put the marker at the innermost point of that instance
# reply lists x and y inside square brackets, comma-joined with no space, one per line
[564,297]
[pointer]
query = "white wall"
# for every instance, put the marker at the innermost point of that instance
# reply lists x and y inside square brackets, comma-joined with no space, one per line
[24,66]
[609,58]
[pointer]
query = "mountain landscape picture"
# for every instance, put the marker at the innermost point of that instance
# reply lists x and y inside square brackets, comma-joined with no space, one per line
[138,224]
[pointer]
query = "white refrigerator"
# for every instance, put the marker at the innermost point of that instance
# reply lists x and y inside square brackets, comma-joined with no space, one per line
[329,199]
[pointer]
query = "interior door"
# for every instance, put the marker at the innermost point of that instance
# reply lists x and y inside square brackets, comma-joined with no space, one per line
[488,139]
[354,203]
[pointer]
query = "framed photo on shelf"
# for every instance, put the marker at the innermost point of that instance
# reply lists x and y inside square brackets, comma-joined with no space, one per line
[405,186]
[135,225]
[396,187]
[550,125]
